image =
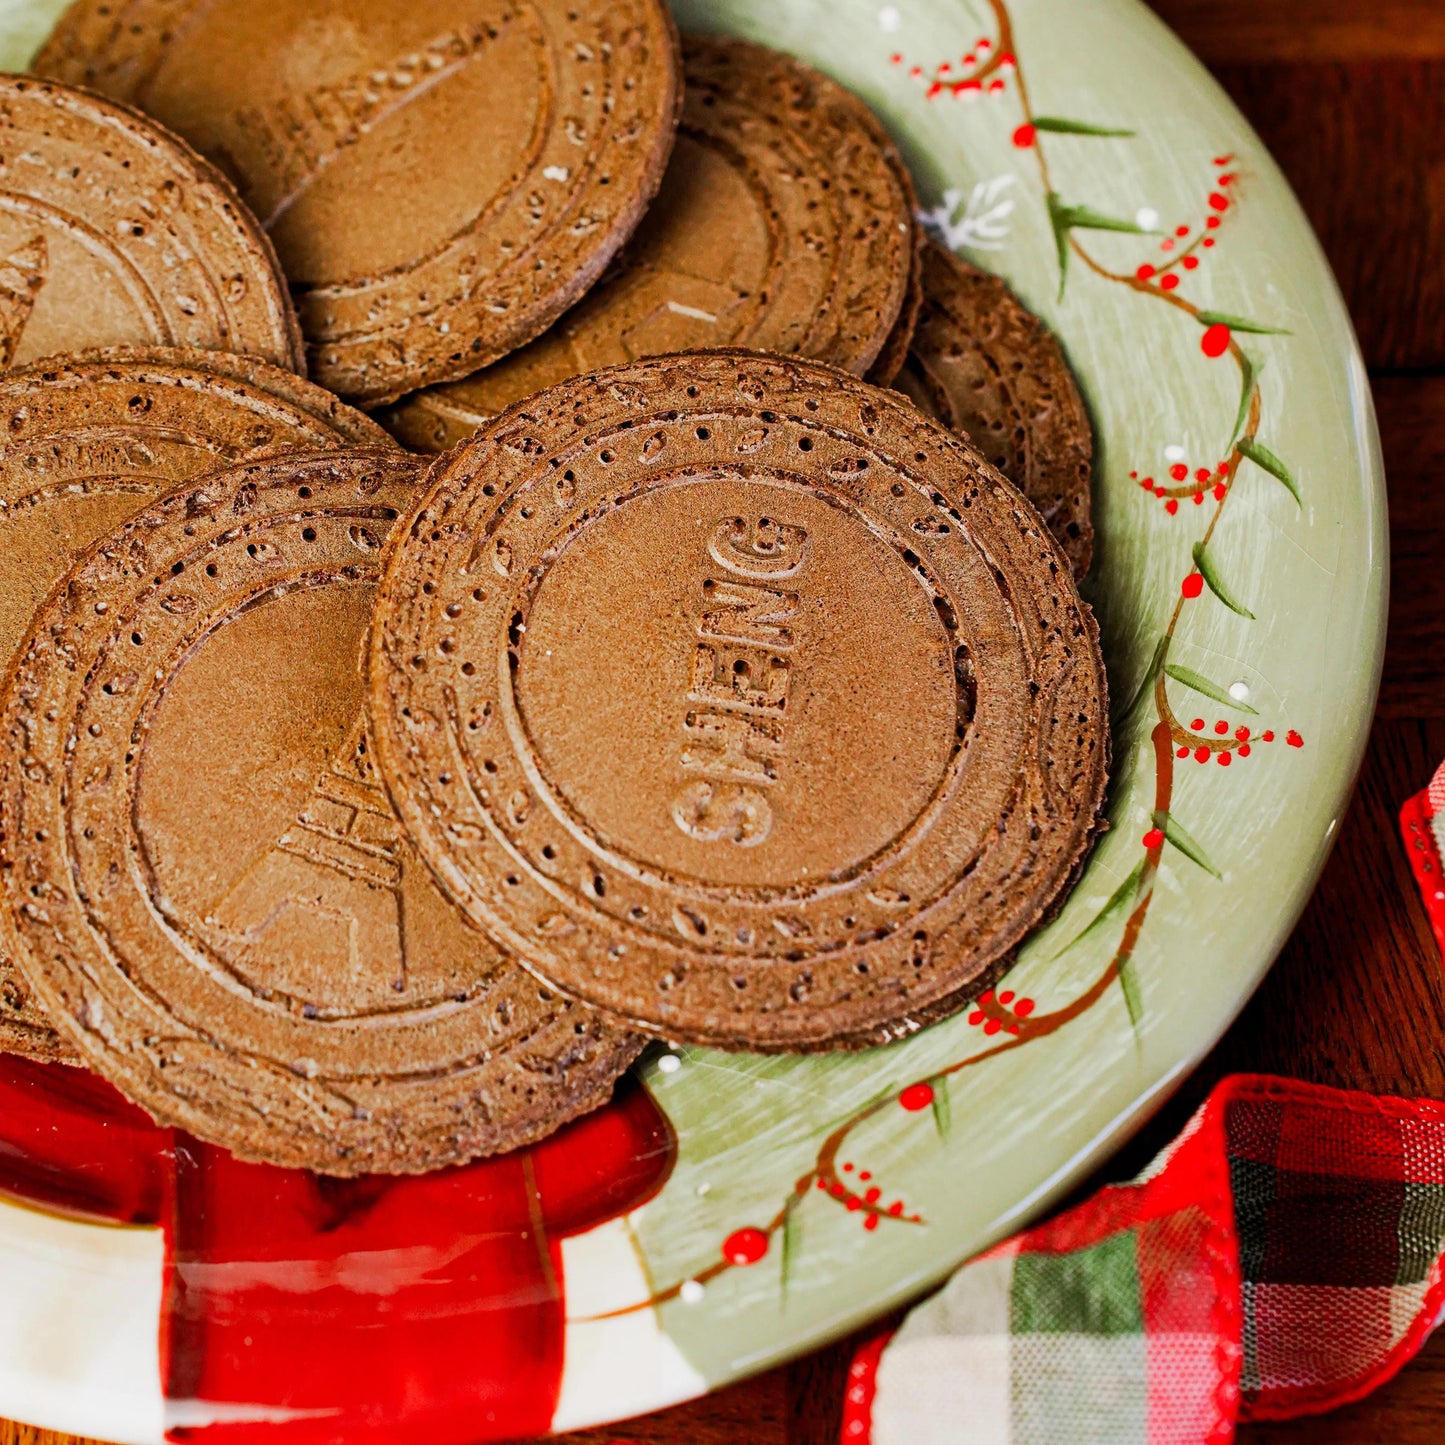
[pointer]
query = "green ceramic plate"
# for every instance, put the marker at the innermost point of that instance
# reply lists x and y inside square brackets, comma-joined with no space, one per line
[1240,580]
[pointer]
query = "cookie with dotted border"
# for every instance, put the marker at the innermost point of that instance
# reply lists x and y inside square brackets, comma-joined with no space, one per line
[350,425]
[784,223]
[740,699]
[206,886]
[985,365]
[114,231]
[441,180]
[90,440]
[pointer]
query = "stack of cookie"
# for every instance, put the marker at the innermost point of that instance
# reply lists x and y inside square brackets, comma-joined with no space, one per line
[364,810]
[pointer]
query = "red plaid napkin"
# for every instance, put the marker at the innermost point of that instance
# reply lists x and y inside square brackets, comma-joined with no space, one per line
[1422,820]
[1282,1257]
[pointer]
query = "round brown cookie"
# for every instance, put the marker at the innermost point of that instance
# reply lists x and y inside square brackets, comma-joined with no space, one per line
[350,425]
[441,178]
[831,749]
[207,888]
[114,231]
[87,443]
[895,348]
[784,223]
[985,365]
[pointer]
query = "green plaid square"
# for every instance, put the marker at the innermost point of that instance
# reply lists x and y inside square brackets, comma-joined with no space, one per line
[1093,1291]
[1421,1232]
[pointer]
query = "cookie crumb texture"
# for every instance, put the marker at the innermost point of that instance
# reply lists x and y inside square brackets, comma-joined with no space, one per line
[206,887]
[441,179]
[739,699]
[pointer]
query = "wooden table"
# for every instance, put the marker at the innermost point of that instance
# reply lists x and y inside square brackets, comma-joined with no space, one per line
[1351,100]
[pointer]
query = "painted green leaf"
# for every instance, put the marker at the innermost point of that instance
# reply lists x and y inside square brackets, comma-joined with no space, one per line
[1200,683]
[942,1107]
[1129,984]
[1085,218]
[1250,379]
[1062,126]
[1061,236]
[792,1242]
[1145,682]
[1239,323]
[1174,832]
[1217,585]
[1261,456]
[1122,895]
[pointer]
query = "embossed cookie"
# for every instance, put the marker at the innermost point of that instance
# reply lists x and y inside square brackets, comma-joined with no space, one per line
[88,442]
[325,406]
[784,223]
[114,231]
[441,178]
[895,348]
[832,746]
[206,887]
[986,366]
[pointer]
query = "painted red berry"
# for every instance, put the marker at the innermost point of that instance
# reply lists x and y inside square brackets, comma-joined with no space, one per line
[1243,750]
[995,86]
[871,1222]
[993,1026]
[1147,484]
[1178,471]
[1294,739]
[873,1195]
[1215,341]
[984,43]
[1154,838]
[1201,755]
[976,1017]
[1169,282]
[1218,202]
[1182,753]
[1190,263]
[1006,997]
[1242,734]
[1193,585]
[1006,59]
[1024,136]
[1145,272]
[1199,499]
[1171,506]
[1197,724]
[745,1246]
[1220,492]
[1224,760]
[1024,1007]
[1208,241]
[1267,736]
[1221,727]
[1202,475]
[1167,244]
[1212,222]
[896,59]
[916,1097]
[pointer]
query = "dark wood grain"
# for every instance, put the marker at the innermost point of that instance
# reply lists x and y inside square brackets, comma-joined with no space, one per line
[1350,98]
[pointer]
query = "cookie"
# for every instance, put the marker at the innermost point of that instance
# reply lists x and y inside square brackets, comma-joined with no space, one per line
[832,747]
[208,890]
[985,365]
[784,223]
[895,349]
[442,180]
[350,425]
[89,442]
[113,231]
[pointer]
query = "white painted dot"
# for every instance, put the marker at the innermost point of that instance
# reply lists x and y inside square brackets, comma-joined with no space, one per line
[691,1292]
[1146,218]
[889,19]
[1174,452]
[669,1064]
[1239,691]
[703,1190]
[556,173]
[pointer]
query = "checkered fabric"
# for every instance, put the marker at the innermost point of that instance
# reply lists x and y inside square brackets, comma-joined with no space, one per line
[1422,820]
[1282,1257]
